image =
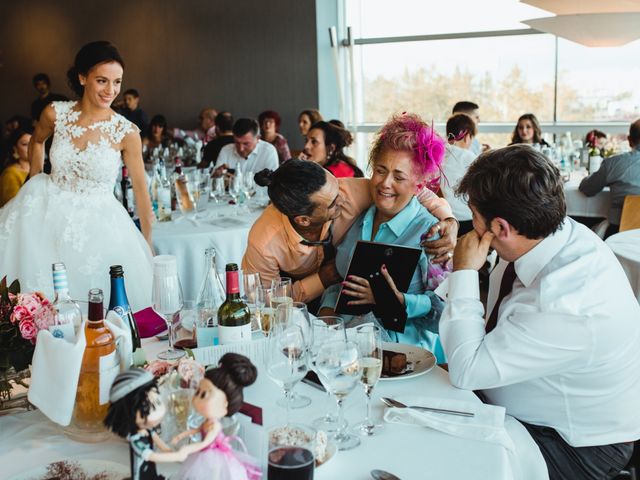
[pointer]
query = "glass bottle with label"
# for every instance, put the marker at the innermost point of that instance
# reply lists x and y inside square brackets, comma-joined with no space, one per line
[119,303]
[234,318]
[99,368]
[212,293]
[68,317]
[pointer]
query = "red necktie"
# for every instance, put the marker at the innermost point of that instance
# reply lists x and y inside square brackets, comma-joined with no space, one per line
[506,285]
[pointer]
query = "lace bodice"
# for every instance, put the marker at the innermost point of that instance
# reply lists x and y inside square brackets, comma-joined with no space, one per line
[86,159]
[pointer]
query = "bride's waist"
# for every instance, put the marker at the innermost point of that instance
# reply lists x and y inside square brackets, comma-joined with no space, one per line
[83,186]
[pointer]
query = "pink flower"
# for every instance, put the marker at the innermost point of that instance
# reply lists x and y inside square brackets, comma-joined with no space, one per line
[30,301]
[159,367]
[28,329]
[191,372]
[20,313]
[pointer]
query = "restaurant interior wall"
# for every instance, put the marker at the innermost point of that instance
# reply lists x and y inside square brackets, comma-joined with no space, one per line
[240,56]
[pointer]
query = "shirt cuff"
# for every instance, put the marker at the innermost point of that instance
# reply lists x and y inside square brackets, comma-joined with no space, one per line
[464,284]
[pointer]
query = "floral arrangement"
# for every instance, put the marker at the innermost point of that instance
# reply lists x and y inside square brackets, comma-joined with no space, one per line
[185,373]
[22,316]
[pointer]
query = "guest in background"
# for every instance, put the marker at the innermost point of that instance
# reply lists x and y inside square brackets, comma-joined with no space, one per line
[269,132]
[16,122]
[622,174]
[15,174]
[528,131]
[206,125]
[306,119]
[42,84]
[461,131]
[224,126]
[158,134]
[248,153]
[473,110]
[406,154]
[133,112]
[561,346]
[325,145]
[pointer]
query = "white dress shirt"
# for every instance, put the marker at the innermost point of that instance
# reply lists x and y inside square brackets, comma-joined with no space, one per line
[566,349]
[263,156]
[455,165]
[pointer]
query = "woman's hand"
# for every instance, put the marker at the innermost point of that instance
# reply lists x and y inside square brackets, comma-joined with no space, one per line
[361,289]
[442,249]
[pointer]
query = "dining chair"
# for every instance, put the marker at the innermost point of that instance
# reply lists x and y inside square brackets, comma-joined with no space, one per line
[630,218]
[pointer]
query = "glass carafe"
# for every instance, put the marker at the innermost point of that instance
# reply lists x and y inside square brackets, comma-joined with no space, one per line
[211,294]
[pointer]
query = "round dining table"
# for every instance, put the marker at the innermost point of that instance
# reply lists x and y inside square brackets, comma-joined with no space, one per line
[626,247]
[579,205]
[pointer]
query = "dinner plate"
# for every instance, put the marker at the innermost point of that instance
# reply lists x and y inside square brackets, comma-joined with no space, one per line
[107,470]
[331,451]
[420,359]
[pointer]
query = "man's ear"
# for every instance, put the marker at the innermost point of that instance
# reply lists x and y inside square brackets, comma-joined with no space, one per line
[302,220]
[501,228]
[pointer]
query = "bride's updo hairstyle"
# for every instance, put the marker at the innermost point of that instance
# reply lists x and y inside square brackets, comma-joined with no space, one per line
[89,56]
[233,373]
[292,184]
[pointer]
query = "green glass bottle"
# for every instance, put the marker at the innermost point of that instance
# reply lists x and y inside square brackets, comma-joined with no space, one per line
[234,318]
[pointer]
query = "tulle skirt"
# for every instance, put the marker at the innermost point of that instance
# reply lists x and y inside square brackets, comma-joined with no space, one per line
[217,464]
[88,232]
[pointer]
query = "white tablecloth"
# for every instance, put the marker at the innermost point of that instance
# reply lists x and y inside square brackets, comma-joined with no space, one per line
[187,240]
[626,246]
[408,451]
[579,205]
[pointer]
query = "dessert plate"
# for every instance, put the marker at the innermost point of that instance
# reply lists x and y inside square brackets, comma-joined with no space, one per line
[419,360]
[71,468]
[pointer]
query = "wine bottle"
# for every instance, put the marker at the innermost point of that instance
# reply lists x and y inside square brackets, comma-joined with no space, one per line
[68,317]
[234,318]
[127,192]
[99,368]
[119,303]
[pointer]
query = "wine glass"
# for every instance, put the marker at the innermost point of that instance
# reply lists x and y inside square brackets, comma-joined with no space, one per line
[282,291]
[166,296]
[338,366]
[369,340]
[326,329]
[296,313]
[217,189]
[286,358]
[235,189]
[248,186]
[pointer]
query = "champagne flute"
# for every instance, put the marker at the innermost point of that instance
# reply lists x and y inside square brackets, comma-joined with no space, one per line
[369,340]
[263,305]
[248,186]
[217,189]
[166,296]
[338,366]
[286,359]
[251,282]
[235,188]
[282,291]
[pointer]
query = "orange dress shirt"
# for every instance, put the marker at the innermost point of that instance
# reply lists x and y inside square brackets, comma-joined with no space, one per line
[274,245]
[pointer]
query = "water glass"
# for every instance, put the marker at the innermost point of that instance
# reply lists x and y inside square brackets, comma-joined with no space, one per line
[166,296]
[369,341]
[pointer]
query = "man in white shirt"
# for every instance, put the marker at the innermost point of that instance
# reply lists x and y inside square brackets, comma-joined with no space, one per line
[248,154]
[561,347]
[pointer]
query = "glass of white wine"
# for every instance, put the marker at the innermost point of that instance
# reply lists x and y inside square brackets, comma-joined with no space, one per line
[369,340]
[282,291]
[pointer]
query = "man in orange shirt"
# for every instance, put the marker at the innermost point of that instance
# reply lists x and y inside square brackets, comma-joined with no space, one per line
[311,211]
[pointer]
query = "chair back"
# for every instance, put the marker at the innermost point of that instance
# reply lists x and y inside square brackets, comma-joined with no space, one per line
[630,218]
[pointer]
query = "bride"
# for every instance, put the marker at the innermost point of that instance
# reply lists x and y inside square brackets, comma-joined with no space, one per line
[72,215]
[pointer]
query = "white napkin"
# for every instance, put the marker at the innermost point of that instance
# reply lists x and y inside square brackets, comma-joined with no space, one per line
[56,367]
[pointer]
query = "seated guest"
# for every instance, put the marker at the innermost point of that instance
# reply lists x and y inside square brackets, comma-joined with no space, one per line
[473,110]
[622,174]
[561,347]
[206,125]
[595,139]
[14,176]
[406,154]
[16,122]
[269,125]
[306,119]
[133,112]
[42,84]
[248,154]
[157,136]
[461,131]
[224,126]
[528,131]
[325,145]
[310,212]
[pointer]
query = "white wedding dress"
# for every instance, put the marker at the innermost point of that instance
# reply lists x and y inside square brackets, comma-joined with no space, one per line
[72,216]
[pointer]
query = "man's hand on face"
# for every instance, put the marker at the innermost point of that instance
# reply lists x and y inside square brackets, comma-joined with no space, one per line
[471,251]
[442,249]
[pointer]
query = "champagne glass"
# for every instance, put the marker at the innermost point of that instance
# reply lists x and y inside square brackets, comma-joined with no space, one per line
[338,366]
[369,340]
[282,291]
[326,329]
[235,189]
[263,306]
[251,282]
[248,186]
[166,296]
[296,313]
[286,359]
[217,189]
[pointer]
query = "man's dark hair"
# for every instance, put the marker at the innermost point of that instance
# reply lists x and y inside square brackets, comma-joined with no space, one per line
[41,77]
[223,121]
[244,126]
[634,133]
[464,107]
[519,184]
[290,186]
[133,92]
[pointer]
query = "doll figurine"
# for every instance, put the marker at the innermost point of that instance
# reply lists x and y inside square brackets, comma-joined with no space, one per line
[135,412]
[219,394]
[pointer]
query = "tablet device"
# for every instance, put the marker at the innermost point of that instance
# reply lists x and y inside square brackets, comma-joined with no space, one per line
[366,261]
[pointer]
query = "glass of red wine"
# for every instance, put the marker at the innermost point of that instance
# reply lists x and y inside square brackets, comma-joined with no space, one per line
[291,453]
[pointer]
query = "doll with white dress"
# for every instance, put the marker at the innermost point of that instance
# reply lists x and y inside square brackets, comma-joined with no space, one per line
[219,394]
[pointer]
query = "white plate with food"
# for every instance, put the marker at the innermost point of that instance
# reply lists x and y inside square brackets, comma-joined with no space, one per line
[77,469]
[402,361]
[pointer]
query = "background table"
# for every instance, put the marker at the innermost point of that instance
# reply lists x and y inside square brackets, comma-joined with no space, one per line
[579,205]
[187,239]
[626,246]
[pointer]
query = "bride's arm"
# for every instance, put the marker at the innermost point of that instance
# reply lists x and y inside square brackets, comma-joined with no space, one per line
[43,130]
[132,156]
